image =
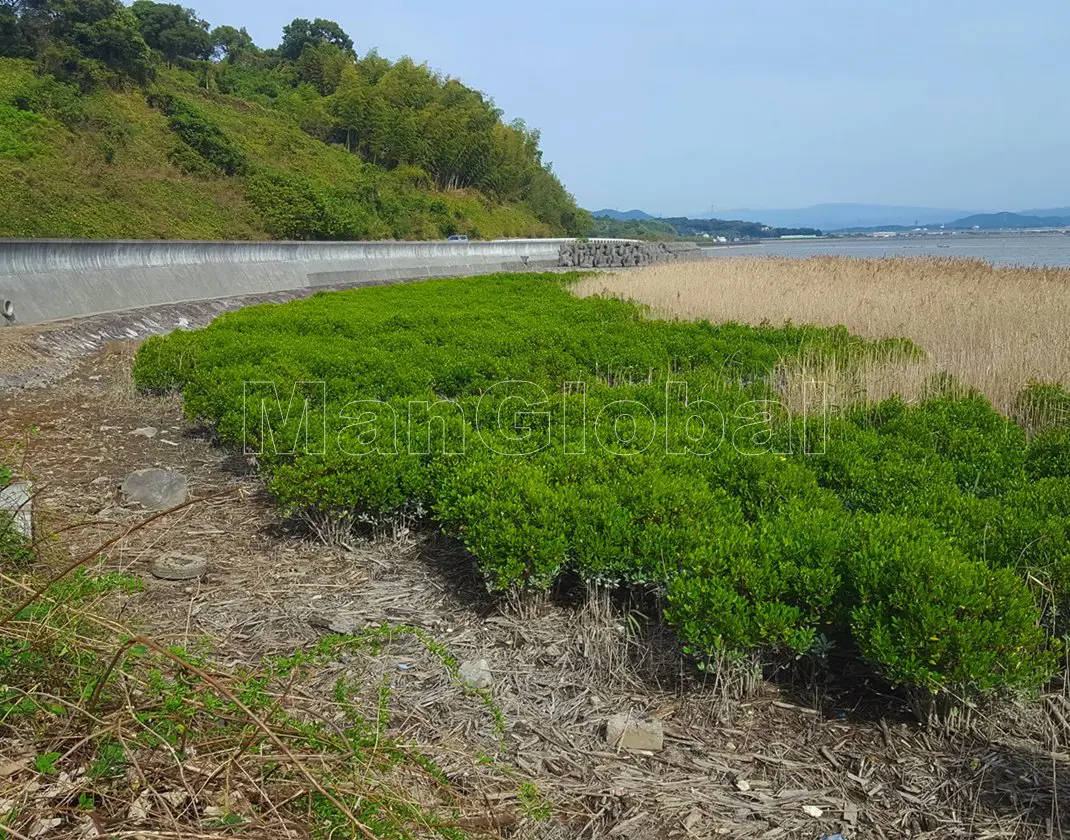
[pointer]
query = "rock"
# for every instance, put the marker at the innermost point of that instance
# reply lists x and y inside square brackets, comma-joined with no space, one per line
[742,785]
[146,432]
[16,505]
[627,732]
[812,811]
[156,489]
[347,625]
[179,566]
[476,673]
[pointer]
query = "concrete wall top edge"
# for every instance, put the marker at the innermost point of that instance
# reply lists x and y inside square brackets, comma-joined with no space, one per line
[28,256]
[32,256]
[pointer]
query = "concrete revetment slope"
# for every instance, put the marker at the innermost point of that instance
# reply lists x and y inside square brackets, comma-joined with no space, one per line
[47,280]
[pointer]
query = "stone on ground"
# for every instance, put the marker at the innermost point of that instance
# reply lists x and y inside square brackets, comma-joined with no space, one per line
[179,566]
[156,489]
[146,432]
[476,673]
[627,732]
[347,625]
[16,508]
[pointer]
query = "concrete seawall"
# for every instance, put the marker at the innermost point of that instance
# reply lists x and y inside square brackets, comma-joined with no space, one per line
[47,280]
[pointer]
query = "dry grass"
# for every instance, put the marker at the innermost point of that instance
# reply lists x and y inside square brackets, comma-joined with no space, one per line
[993,327]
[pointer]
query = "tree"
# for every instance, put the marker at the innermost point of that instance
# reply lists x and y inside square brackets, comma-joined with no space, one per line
[301,32]
[174,31]
[116,42]
[321,65]
[349,106]
[13,42]
[229,42]
[100,30]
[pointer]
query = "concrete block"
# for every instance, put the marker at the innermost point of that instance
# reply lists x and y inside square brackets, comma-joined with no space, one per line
[16,506]
[628,732]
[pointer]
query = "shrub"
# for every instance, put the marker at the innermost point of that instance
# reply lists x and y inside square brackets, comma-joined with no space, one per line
[775,586]
[985,449]
[513,520]
[18,131]
[1042,405]
[165,362]
[874,472]
[1027,531]
[899,540]
[69,66]
[48,95]
[928,617]
[295,207]
[201,136]
[1048,455]
[290,206]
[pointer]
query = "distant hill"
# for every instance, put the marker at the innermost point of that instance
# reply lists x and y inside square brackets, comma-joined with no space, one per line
[1045,212]
[681,227]
[1007,221]
[841,216]
[625,215]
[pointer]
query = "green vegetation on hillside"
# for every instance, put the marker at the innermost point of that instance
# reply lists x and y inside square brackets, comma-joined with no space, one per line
[929,541]
[146,122]
[654,230]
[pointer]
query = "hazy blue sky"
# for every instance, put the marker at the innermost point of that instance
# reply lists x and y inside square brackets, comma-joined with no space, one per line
[675,107]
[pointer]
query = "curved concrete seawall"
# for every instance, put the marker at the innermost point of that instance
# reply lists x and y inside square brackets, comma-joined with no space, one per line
[46,280]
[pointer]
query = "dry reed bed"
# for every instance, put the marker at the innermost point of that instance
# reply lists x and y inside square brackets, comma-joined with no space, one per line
[993,327]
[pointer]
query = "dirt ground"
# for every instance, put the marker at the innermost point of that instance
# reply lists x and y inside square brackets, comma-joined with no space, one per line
[774,765]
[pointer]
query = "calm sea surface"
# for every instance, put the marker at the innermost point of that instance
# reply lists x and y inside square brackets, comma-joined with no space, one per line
[1024,249]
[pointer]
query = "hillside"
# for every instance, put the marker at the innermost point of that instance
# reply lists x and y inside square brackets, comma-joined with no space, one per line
[681,227]
[625,215]
[1007,221]
[147,123]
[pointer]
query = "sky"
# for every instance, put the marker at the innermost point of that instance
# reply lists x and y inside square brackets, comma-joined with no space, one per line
[686,107]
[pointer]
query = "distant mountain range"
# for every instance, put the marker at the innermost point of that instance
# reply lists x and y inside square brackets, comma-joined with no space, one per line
[1009,221]
[1059,212]
[840,216]
[863,217]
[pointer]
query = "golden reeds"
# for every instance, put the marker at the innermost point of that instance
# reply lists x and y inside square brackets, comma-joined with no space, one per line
[992,327]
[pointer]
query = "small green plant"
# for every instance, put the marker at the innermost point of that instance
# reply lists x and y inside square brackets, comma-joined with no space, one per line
[46,763]
[532,803]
